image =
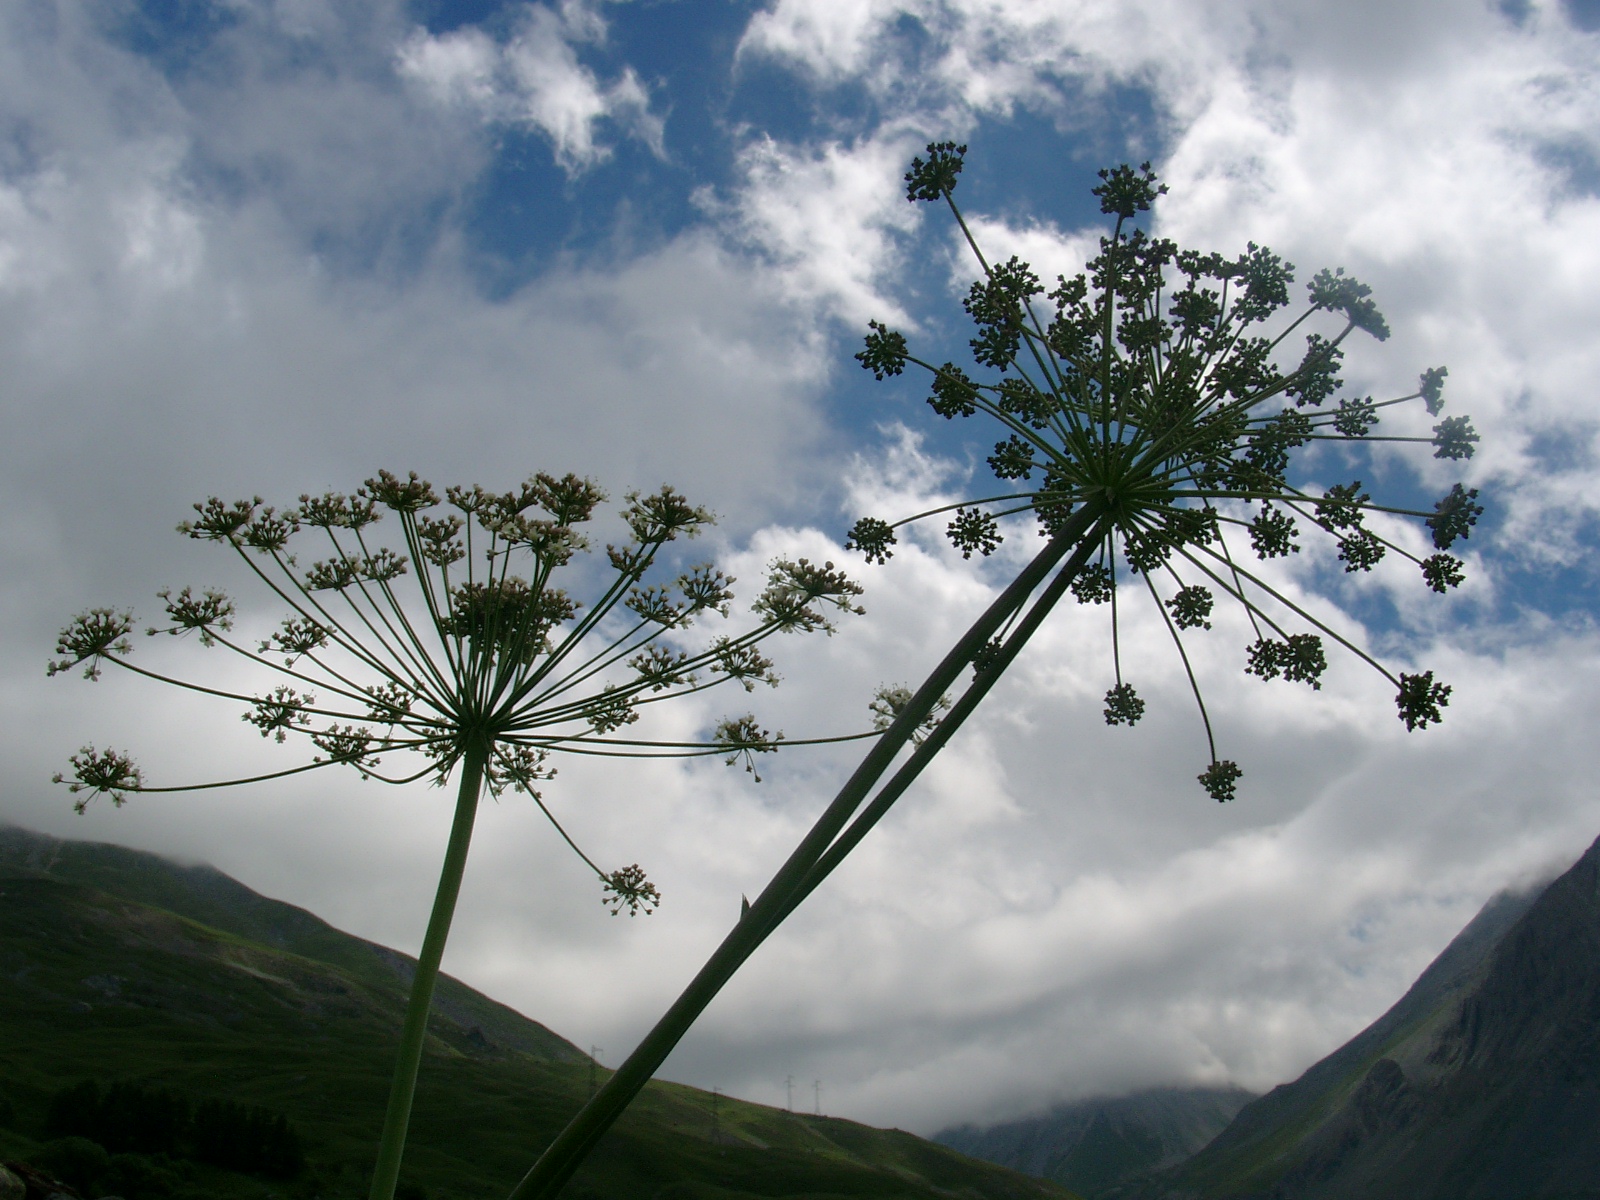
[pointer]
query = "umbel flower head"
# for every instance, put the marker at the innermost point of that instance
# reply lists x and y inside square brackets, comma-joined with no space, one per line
[1146,423]
[1165,393]
[455,631]
[453,643]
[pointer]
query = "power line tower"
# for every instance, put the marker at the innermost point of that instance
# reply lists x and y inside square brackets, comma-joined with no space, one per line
[716,1117]
[816,1089]
[594,1063]
[788,1084]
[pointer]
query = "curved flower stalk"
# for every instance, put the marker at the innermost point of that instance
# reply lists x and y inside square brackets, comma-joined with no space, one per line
[1146,407]
[1150,386]
[451,642]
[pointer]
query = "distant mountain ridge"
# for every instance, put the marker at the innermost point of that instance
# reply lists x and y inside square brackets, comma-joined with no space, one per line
[1481,1083]
[120,965]
[1092,1145]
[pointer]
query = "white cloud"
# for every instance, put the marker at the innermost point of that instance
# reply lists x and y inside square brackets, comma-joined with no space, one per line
[1482,259]
[828,218]
[165,337]
[991,55]
[1052,252]
[457,68]
[1057,909]
[535,78]
[1429,150]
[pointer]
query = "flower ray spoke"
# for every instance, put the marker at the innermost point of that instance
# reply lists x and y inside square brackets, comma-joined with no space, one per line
[453,641]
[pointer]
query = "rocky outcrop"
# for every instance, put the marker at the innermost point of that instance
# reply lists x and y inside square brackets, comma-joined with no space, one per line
[19,1181]
[1482,1083]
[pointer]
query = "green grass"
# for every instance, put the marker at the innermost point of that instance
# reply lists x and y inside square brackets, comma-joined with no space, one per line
[297,1017]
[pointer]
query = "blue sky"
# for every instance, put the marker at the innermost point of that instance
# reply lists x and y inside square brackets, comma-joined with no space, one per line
[526,207]
[523,208]
[266,246]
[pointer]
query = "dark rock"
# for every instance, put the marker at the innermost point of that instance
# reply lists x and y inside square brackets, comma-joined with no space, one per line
[1482,1083]
[38,1185]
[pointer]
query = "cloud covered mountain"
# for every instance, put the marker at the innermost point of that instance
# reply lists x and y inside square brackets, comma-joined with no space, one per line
[1092,1145]
[1482,1083]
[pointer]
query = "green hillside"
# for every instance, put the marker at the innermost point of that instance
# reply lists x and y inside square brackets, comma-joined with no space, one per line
[1270,1137]
[1481,1083]
[117,965]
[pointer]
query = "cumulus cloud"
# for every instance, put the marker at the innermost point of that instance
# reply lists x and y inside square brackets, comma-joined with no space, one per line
[1478,248]
[165,338]
[829,219]
[1051,251]
[238,279]
[991,55]
[1093,931]
[535,78]
[1058,909]
[1440,157]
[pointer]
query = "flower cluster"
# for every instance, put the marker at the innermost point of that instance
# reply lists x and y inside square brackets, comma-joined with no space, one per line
[890,700]
[455,628]
[1156,392]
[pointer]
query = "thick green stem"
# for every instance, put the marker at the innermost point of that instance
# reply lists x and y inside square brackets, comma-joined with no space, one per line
[946,729]
[415,1030]
[564,1155]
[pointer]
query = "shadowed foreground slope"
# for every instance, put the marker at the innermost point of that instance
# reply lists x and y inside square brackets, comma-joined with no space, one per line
[120,965]
[1482,1083]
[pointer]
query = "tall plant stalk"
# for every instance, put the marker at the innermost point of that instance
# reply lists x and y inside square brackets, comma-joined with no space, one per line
[1144,404]
[486,669]
[414,1031]
[833,835]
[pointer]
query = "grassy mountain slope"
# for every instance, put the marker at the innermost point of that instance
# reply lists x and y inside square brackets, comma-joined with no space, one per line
[1092,1145]
[119,965]
[206,896]
[1482,1083]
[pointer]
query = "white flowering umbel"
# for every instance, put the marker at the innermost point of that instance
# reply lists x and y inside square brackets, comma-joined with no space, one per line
[450,647]
[1148,393]
[1143,423]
